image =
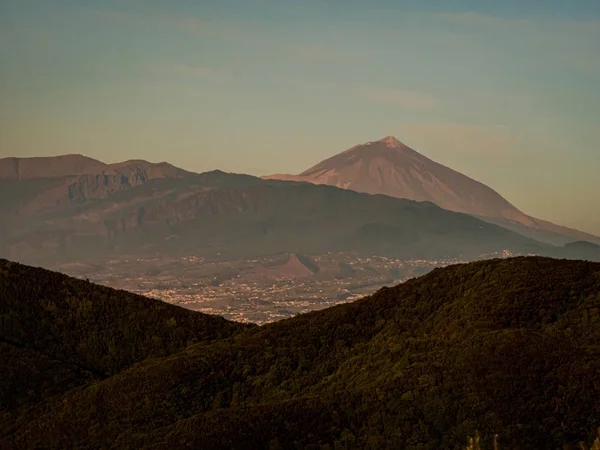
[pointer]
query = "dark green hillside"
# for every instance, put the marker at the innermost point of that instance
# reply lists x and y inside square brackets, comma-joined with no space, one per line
[96,327]
[28,377]
[502,346]
[58,332]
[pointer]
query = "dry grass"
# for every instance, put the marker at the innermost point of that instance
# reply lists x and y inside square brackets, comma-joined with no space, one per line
[473,443]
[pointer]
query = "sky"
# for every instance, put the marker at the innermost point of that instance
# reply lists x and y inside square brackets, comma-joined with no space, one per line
[505,92]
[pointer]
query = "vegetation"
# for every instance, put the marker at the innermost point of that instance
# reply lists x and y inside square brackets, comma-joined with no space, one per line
[507,347]
[57,332]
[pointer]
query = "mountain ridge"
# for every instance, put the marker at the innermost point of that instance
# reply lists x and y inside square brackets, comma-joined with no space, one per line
[146,209]
[231,215]
[74,164]
[69,179]
[506,347]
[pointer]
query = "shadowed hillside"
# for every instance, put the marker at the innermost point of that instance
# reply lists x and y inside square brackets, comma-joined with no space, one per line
[57,331]
[501,346]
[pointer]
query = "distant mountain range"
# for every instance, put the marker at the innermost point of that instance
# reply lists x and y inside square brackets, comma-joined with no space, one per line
[73,208]
[51,183]
[391,168]
[501,347]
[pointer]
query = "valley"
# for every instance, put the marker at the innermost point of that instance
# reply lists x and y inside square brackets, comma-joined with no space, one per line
[256,290]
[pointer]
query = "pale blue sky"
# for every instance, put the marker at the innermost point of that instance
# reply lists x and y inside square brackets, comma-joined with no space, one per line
[506,92]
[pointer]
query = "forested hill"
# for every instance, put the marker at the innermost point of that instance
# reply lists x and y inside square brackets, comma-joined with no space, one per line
[84,331]
[502,346]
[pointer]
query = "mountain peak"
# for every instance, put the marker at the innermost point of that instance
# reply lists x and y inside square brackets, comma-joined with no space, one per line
[392,142]
[391,168]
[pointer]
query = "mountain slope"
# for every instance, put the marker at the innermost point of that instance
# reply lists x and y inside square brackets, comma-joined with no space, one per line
[59,332]
[138,208]
[500,346]
[67,318]
[232,216]
[391,168]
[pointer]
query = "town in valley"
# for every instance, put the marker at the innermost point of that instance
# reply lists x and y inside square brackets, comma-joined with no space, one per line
[257,290]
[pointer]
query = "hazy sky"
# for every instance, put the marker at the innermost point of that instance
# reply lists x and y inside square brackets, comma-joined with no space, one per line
[507,92]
